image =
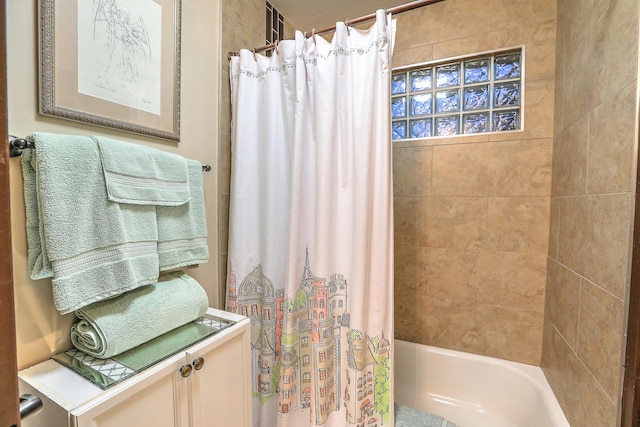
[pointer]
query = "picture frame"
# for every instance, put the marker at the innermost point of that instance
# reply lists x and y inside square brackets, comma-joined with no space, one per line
[112,63]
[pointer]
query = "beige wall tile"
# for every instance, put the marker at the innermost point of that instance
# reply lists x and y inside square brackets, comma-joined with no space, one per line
[611,145]
[242,25]
[583,401]
[222,268]
[462,170]
[454,140]
[601,318]
[456,222]
[570,154]
[512,280]
[615,43]
[410,220]
[612,38]
[528,11]
[450,274]
[558,104]
[224,163]
[512,334]
[563,301]
[451,20]
[512,168]
[225,103]
[452,324]
[554,212]
[577,17]
[580,73]
[223,223]
[441,21]
[593,239]
[599,8]
[556,363]
[540,51]
[411,268]
[594,407]
[518,224]
[412,171]
[493,39]
[415,55]
[409,318]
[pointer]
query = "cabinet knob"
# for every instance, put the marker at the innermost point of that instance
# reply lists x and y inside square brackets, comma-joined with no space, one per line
[185,371]
[198,363]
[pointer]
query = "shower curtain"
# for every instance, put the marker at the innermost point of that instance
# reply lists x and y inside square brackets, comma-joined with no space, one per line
[311,223]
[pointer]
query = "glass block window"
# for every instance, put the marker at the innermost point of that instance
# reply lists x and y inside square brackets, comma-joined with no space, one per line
[275,25]
[468,96]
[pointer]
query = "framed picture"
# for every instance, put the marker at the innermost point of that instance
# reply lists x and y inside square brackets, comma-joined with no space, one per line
[112,63]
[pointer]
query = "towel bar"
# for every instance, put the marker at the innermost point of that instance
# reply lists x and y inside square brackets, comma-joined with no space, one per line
[17,145]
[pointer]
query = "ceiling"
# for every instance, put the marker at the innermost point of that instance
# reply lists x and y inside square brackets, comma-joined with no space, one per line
[306,15]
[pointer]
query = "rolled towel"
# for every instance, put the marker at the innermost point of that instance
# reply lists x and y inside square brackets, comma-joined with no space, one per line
[112,326]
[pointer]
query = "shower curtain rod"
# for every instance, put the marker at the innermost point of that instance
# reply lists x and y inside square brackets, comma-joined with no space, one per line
[350,22]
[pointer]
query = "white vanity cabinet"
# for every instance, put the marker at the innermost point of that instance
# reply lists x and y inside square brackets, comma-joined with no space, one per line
[206,384]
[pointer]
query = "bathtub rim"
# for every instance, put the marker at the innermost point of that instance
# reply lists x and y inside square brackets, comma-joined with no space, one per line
[532,373]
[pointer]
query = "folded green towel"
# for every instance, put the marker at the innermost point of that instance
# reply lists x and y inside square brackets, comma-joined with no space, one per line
[93,248]
[110,327]
[182,230]
[166,344]
[143,175]
[409,417]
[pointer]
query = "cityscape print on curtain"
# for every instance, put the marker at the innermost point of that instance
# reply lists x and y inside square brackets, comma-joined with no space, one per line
[310,257]
[307,354]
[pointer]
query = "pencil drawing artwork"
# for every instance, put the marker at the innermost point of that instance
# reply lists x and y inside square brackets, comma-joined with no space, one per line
[119,52]
[127,45]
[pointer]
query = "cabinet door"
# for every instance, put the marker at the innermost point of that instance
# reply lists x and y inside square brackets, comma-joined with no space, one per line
[155,397]
[221,388]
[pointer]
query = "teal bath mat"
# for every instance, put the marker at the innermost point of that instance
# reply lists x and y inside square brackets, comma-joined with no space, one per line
[407,417]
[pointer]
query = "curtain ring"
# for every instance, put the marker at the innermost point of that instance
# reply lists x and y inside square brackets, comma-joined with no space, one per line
[255,58]
[275,47]
[346,23]
[313,35]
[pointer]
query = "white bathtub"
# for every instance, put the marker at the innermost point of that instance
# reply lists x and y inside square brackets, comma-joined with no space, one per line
[472,390]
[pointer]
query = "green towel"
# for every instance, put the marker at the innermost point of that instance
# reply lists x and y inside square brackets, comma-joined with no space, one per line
[110,327]
[182,230]
[141,175]
[408,417]
[93,248]
[164,345]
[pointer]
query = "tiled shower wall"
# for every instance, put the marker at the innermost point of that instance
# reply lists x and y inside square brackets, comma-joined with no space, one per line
[243,26]
[593,161]
[472,213]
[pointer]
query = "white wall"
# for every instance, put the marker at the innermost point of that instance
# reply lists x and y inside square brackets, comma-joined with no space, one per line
[41,331]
